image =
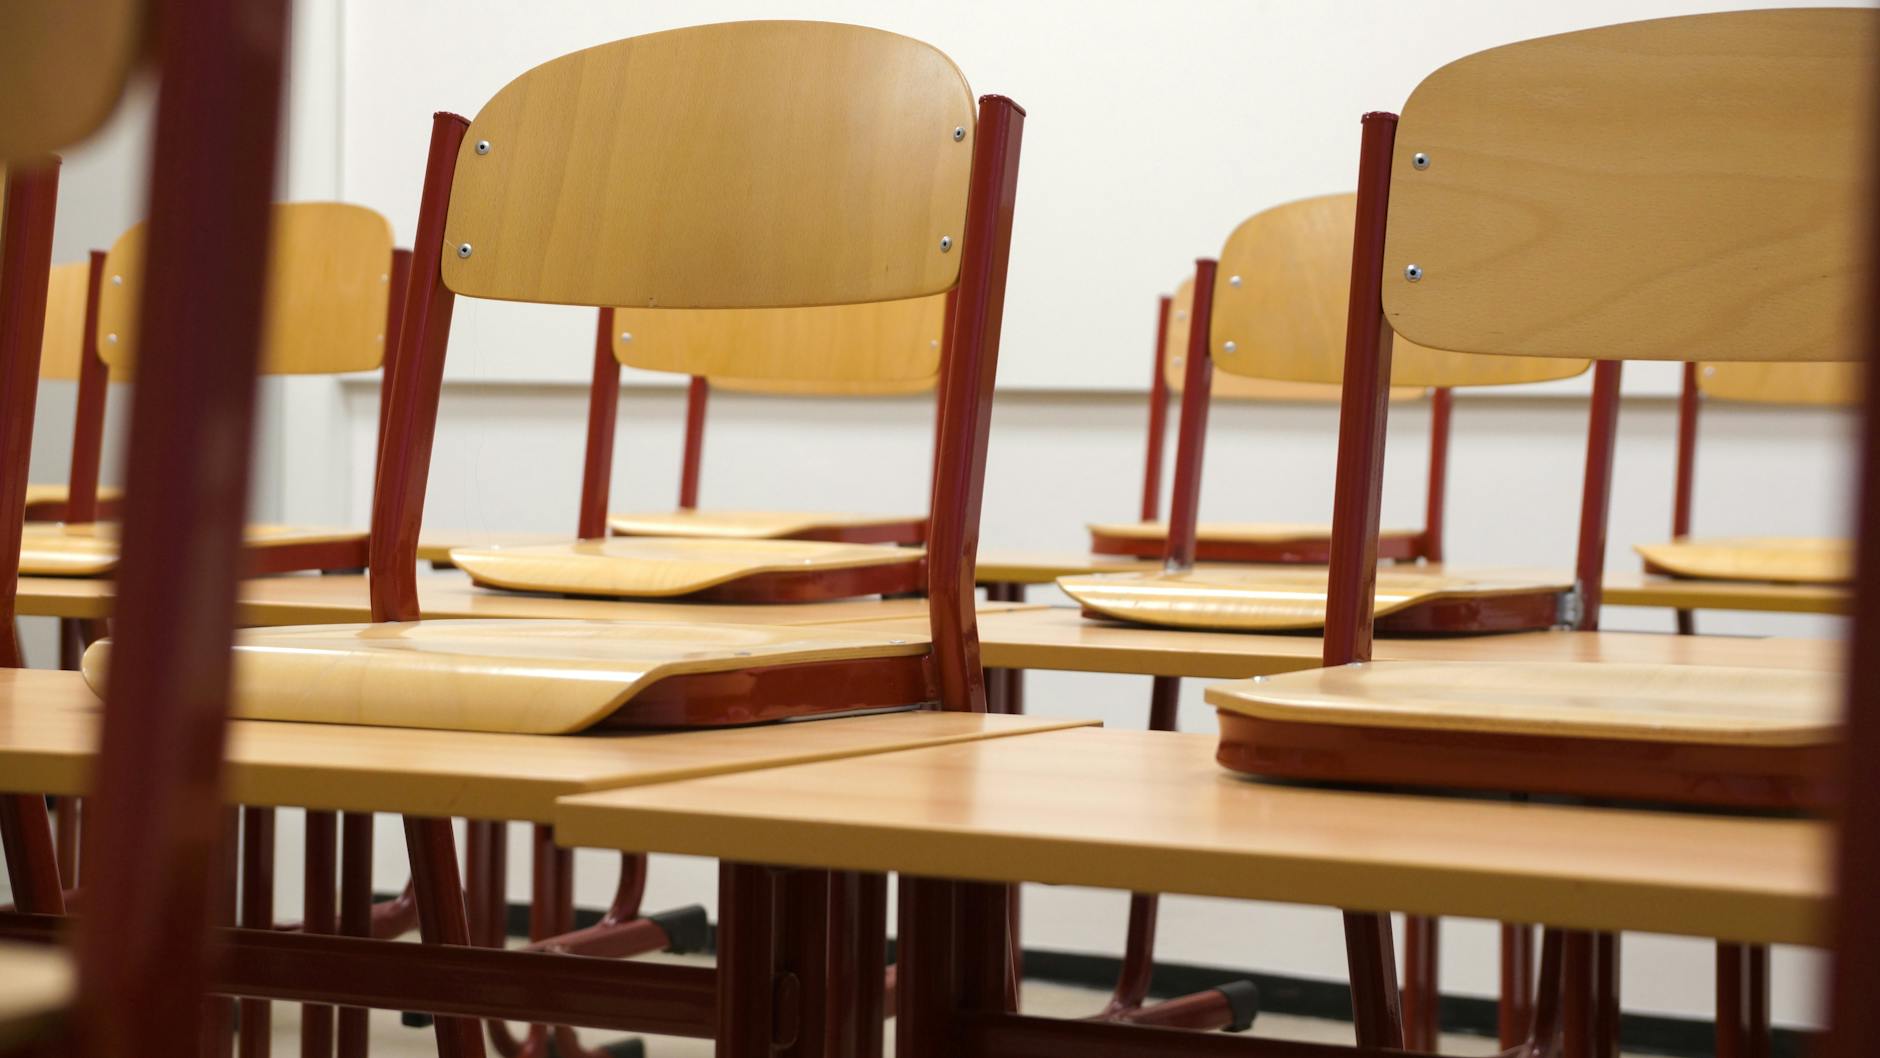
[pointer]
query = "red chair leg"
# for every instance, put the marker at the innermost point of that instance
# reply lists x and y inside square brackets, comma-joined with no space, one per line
[355,920]
[1377,1017]
[1606,995]
[441,917]
[1422,995]
[218,1021]
[257,912]
[318,878]
[1579,1002]
[1515,1014]
[858,952]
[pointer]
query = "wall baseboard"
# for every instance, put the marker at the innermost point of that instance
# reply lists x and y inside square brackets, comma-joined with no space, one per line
[1308,997]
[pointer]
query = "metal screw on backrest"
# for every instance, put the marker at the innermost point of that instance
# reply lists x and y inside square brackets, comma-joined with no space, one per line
[946,243]
[1413,272]
[933,343]
[1233,281]
[959,133]
[1420,160]
[483,146]
[110,339]
[626,336]
[463,250]
[1228,347]
[117,281]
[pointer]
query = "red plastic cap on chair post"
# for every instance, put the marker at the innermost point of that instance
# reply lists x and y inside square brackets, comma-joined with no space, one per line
[417,377]
[1191,437]
[1363,408]
[971,369]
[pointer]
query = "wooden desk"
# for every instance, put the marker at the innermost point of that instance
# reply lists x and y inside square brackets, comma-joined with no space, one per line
[341,599]
[1152,812]
[49,729]
[1001,566]
[35,990]
[1677,593]
[1062,639]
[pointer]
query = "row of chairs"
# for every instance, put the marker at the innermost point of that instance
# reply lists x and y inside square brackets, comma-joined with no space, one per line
[1465,207]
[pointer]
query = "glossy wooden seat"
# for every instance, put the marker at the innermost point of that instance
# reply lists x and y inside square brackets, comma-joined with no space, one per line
[674,567]
[1273,599]
[56,549]
[47,502]
[36,986]
[1242,541]
[1779,560]
[1740,737]
[771,525]
[561,677]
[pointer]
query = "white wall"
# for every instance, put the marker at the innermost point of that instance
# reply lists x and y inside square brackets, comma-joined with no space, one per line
[1152,130]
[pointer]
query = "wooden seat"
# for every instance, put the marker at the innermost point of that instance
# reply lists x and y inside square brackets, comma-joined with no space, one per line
[1274,599]
[771,525]
[47,502]
[53,549]
[38,987]
[552,677]
[1236,541]
[1779,560]
[671,567]
[1738,737]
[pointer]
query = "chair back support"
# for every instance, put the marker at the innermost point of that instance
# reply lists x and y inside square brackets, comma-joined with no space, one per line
[1279,308]
[63,346]
[63,67]
[1664,190]
[744,165]
[1825,384]
[883,347]
[328,278]
[1229,386]
[761,164]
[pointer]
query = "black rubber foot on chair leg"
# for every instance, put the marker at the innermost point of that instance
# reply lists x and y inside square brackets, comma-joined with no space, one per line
[687,928]
[1243,1001]
[412,1019]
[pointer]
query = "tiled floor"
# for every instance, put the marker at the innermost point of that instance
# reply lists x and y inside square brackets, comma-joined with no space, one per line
[390,1039]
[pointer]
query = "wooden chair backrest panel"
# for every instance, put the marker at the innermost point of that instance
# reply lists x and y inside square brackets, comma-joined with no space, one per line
[884,347]
[63,67]
[1281,298]
[1830,384]
[1663,190]
[63,345]
[329,266]
[739,165]
[1229,386]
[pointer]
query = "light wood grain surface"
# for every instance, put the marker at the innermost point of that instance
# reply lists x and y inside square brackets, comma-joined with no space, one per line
[36,985]
[523,677]
[62,345]
[49,734]
[1629,191]
[1684,704]
[1682,593]
[1825,385]
[741,525]
[1061,638]
[655,567]
[1152,812]
[342,599]
[62,549]
[896,387]
[48,493]
[1779,560]
[1001,566]
[435,545]
[887,346]
[1281,296]
[777,164]
[1233,532]
[1276,598]
[63,67]
[327,291]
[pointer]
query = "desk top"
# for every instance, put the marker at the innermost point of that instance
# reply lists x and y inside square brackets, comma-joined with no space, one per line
[1650,589]
[1152,812]
[1060,638]
[49,729]
[342,599]
[35,987]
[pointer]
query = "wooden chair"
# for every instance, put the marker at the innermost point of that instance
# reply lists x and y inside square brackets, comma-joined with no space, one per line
[1147,538]
[747,556]
[330,294]
[1781,560]
[1486,228]
[1273,314]
[142,948]
[884,349]
[69,353]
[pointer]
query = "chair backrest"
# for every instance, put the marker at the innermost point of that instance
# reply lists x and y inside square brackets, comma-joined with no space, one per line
[63,67]
[837,350]
[734,166]
[63,347]
[1229,386]
[1675,189]
[1824,384]
[328,278]
[1282,287]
